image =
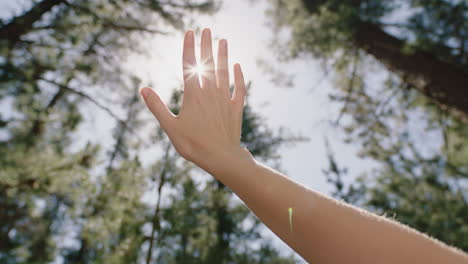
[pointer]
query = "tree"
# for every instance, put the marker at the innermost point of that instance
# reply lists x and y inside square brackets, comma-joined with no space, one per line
[428,54]
[400,72]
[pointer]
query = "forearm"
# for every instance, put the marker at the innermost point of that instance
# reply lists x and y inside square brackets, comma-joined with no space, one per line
[323,230]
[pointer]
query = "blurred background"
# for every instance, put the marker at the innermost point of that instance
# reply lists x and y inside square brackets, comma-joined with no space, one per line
[363,100]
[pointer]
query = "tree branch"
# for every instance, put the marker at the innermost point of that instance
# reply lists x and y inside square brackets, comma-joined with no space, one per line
[86,96]
[21,25]
[156,222]
[350,88]
[111,24]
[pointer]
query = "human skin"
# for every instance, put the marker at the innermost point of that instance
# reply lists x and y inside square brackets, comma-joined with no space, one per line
[321,229]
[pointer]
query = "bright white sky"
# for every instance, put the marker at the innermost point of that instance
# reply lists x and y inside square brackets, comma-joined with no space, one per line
[303,108]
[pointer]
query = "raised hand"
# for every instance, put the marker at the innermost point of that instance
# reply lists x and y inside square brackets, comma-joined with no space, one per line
[209,121]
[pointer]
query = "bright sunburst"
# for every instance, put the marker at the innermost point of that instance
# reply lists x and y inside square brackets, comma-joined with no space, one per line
[200,70]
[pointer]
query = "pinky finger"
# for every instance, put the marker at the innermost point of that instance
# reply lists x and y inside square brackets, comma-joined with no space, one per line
[239,93]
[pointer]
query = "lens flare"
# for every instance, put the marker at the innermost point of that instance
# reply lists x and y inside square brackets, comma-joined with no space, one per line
[290,211]
[202,69]
[199,69]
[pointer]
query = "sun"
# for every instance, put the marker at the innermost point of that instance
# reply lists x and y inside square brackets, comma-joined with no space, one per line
[200,69]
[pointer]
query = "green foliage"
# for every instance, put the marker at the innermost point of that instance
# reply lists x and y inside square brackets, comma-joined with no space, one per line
[326,32]
[441,27]
[38,185]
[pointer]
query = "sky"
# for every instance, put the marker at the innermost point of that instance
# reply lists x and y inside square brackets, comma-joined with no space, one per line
[303,108]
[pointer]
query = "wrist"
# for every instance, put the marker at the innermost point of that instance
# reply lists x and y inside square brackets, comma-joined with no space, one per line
[220,163]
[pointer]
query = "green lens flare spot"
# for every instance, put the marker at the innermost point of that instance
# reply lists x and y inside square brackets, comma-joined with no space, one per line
[290,211]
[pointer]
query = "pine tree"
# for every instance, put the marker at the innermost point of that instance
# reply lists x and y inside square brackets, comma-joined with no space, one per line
[425,48]
[400,75]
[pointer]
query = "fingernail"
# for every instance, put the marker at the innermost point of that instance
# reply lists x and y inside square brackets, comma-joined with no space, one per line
[144,92]
[207,32]
[190,34]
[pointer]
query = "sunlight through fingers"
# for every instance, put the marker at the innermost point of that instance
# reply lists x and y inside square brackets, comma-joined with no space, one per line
[202,70]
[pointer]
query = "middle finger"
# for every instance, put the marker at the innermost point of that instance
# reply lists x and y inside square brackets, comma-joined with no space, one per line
[208,75]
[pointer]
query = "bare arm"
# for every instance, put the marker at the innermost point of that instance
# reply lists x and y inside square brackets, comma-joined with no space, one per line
[319,228]
[324,230]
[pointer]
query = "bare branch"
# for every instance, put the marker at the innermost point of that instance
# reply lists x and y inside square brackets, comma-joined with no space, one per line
[350,88]
[156,221]
[83,95]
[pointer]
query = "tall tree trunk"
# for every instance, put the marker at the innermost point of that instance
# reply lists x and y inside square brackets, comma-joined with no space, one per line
[445,83]
[22,24]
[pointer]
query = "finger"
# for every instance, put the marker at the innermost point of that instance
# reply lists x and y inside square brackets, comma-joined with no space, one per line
[208,76]
[158,108]
[222,71]
[189,62]
[239,93]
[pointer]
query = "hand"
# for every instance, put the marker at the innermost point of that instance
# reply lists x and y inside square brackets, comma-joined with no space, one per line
[209,121]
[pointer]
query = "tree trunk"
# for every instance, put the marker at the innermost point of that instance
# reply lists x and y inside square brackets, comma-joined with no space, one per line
[21,25]
[445,83]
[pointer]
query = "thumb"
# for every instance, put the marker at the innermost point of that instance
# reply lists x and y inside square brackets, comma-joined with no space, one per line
[158,108]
